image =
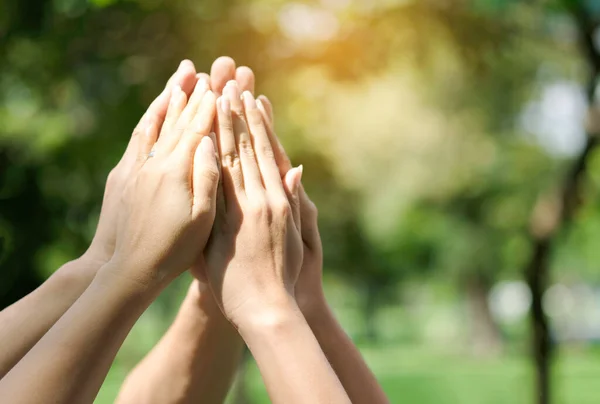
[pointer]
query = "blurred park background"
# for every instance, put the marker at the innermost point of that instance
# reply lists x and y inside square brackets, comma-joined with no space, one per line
[449,146]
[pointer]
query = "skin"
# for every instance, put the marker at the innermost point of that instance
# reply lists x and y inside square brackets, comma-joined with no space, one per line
[356,377]
[185,367]
[32,316]
[197,358]
[255,255]
[165,217]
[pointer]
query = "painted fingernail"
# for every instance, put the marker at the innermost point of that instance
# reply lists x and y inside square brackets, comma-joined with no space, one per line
[249,100]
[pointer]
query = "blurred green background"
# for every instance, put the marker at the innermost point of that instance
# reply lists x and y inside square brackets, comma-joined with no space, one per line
[448,144]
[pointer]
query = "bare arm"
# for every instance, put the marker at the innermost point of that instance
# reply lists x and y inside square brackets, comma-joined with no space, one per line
[70,362]
[197,358]
[356,377]
[194,362]
[255,257]
[358,380]
[31,317]
[176,189]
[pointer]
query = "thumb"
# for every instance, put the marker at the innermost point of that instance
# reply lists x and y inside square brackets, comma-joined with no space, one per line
[291,183]
[205,178]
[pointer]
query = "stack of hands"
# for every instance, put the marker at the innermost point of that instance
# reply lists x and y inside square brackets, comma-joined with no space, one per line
[229,206]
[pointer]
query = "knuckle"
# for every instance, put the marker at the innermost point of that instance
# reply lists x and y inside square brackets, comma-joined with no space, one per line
[246,147]
[210,174]
[311,209]
[259,207]
[205,204]
[267,151]
[230,159]
[225,125]
[282,208]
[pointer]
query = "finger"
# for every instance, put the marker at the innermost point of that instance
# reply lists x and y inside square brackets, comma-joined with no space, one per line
[176,106]
[221,209]
[205,179]
[146,143]
[292,186]
[281,158]
[171,138]
[157,110]
[262,146]
[184,77]
[252,178]
[233,179]
[267,107]
[202,86]
[222,71]
[245,78]
[197,129]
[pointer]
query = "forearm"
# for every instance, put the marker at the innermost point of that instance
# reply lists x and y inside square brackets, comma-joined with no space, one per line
[194,362]
[25,322]
[69,364]
[294,368]
[354,374]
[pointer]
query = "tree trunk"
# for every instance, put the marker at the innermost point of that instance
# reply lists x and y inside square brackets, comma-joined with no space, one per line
[371,304]
[485,339]
[545,227]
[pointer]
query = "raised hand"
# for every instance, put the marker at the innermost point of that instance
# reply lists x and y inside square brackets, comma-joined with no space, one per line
[103,244]
[168,208]
[356,377]
[255,252]
[309,287]
[197,358]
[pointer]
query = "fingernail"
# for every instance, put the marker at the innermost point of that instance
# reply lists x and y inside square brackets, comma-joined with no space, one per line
[202,84]
[249,100]
[260,105]
[150,128]
[231,83]
[175,93]
[225,105]
[300,170]
[207,147]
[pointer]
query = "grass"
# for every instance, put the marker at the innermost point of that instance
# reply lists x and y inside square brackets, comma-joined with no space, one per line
[418,375]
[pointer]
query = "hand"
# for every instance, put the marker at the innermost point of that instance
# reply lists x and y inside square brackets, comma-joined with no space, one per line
[103,244]
[309,287]
[168,207]
[255,252]
[222,71]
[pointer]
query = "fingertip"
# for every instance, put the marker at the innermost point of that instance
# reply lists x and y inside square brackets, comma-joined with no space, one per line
[245,77]
[249,101]
[203,76]
[222,70]
[265,104]
[186,64]
[207,146]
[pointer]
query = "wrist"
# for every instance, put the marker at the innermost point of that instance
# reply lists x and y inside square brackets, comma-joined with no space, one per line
[268,318]
[200,298]
[313,306]
[125,276]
